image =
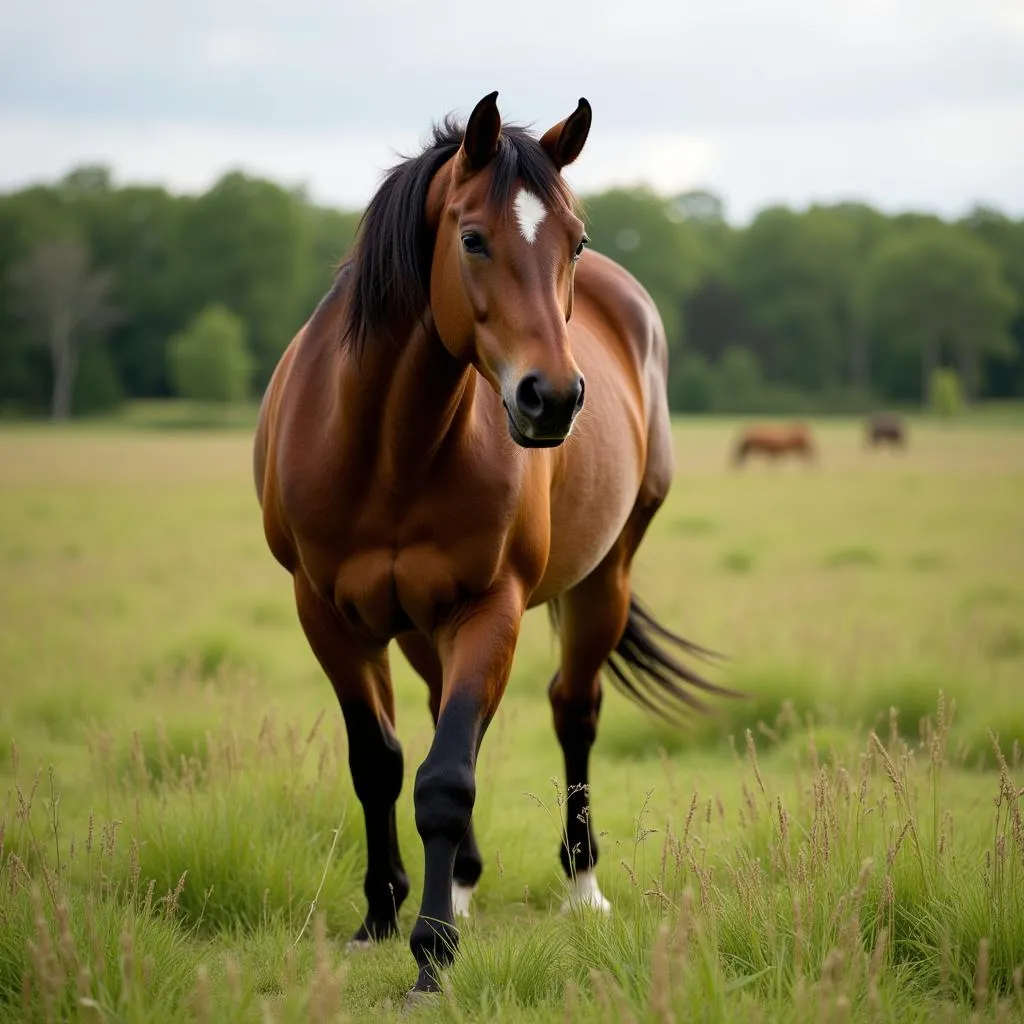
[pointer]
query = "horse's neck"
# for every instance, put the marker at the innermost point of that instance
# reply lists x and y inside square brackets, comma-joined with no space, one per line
[412,398]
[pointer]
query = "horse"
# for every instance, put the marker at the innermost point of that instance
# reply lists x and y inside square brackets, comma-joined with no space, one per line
[471,423]
[886,428]
[775,442]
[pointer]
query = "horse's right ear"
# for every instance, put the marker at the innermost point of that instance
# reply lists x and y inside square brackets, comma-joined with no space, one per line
[564,142]
[482,133]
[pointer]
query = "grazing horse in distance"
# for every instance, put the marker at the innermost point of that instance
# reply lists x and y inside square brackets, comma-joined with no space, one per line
[886,428]
[473,422]
[775,441]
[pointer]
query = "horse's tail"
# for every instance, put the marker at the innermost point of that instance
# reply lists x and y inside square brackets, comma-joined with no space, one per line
[644,668]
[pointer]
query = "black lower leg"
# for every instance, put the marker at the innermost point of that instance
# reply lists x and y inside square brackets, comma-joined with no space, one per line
[444,796]
[375,760]
[576,728]
[469,864]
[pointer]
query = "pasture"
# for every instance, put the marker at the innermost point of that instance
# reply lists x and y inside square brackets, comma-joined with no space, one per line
[846,844]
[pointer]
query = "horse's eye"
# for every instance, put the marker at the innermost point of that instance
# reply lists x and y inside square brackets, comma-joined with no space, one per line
[580,248]
[473,242]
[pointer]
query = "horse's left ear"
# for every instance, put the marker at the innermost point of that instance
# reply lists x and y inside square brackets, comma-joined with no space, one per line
[564,142]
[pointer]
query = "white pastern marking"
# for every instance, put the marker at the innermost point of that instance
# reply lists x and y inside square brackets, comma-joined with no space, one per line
[462,895]
[530,212]
[584,892]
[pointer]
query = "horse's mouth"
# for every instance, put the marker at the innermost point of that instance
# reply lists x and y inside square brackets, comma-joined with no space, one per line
[523,441]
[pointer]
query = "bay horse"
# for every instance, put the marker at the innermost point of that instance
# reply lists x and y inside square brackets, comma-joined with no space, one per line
[473,422]
[885,428]
[775,441]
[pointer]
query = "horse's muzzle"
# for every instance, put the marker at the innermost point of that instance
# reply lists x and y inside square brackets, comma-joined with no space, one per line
[540,415]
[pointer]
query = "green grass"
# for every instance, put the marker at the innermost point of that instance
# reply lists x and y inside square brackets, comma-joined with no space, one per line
[772,862]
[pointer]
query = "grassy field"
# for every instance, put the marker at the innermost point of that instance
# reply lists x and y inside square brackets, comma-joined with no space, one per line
[846,844]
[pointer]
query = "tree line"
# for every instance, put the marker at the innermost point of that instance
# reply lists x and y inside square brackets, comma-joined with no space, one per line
[112,292]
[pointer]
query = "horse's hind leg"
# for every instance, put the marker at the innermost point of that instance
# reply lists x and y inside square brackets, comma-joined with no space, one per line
[592,618]
[469,864]
[362,682]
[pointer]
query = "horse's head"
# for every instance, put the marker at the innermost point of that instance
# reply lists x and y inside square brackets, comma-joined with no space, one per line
[501,283]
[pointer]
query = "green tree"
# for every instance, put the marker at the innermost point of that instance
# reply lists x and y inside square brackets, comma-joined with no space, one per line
[716,315]
[866,228]
[800,291]
[937,294]
[945,396]
[796,274]
[210,360]
[136,231]
[699,205]
[246,243]
[737,381]
[97,385]
[1003,375]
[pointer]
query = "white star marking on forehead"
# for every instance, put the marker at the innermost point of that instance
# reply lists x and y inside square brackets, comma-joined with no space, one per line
[530,212]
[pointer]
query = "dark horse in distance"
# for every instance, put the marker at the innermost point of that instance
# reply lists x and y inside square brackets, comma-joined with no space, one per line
[473,422]
[886,428]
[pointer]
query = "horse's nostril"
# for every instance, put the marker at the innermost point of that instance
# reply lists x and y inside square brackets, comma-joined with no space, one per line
[579,397]
[528,396]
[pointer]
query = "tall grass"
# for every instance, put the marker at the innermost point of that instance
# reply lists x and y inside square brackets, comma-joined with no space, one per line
[864,891]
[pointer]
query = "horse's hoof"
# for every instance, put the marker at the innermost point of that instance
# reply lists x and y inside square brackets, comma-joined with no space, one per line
[358,945]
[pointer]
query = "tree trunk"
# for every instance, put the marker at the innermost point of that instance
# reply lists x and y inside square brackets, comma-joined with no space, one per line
[64,358]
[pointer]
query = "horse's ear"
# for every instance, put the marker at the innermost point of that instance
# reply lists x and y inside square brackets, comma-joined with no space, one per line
[482,132]
[564,142]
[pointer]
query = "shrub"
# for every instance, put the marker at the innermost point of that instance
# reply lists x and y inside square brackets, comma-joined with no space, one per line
[945,395]
[210,359]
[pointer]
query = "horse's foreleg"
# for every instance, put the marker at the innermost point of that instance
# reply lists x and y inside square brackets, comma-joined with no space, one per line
[476,654]
[362,683]
[469,864]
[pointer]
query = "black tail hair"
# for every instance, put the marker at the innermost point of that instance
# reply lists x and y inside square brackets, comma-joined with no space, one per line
[653,677]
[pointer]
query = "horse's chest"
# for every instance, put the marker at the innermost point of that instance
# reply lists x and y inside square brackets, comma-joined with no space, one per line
[394,573]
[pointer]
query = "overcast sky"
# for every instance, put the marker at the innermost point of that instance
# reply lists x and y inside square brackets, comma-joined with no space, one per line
[906,103]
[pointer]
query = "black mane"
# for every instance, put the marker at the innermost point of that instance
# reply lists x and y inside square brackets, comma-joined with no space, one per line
[389,269]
